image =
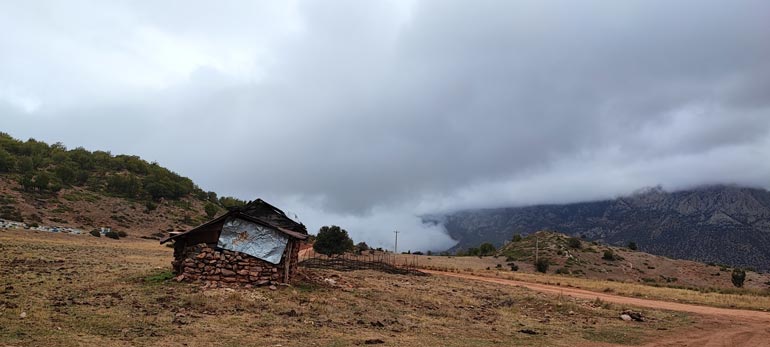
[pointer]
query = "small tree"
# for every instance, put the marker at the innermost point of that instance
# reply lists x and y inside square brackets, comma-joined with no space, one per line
[513,266]
[574,242]
[7,161]
[542,264]
[608,255]
[632,246]
[516,238]
[95,233]
[738,277]
[210,209]
[486,249]
[332,240]
[362,246]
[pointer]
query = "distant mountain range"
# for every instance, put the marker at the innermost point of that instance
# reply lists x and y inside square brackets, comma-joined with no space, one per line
[721,224]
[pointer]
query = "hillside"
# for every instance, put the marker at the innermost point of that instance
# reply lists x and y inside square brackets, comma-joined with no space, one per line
[572,256]
[720,224]
[49,185]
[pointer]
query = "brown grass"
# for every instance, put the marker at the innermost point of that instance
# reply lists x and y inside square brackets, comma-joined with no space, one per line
[743,298]
[80,290]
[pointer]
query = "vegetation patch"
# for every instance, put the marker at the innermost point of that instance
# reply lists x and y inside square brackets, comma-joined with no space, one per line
[159,277]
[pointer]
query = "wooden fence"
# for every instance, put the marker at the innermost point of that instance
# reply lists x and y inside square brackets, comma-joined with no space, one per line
[403,264]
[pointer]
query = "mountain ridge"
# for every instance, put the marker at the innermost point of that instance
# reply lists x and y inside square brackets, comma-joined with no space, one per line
[717,223]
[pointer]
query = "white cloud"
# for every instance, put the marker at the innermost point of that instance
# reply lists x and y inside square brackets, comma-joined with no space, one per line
[370,114]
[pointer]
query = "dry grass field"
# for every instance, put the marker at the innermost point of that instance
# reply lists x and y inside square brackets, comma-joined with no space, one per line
[67,290]
[756,297]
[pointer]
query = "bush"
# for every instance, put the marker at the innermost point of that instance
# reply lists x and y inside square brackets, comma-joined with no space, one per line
[95,233]
[632,246]
[516,238]
[738,277]
[210,209]
[112,235]
[574,242]
[362,246]
[486,249]
[562,271]
[122,233]
[513,266]
[332,240]
[542,264]
[608,255]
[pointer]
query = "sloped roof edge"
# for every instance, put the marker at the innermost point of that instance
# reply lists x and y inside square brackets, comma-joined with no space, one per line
[237,214]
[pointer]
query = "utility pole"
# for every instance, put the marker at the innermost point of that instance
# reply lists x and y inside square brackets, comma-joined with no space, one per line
[395,249]
[537,248]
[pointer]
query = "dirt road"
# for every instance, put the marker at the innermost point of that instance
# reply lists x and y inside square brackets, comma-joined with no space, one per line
[719,327]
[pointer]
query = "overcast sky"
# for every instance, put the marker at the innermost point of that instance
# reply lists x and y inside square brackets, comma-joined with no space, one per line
[367,114]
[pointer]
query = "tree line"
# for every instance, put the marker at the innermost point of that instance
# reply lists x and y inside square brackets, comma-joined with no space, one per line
[42,168]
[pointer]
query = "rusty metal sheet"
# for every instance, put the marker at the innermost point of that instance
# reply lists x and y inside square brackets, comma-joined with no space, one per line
[253,239]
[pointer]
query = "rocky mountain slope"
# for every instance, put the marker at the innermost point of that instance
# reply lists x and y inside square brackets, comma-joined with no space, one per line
[720,224]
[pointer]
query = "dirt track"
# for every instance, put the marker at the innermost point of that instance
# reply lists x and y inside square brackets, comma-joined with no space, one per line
[718,326]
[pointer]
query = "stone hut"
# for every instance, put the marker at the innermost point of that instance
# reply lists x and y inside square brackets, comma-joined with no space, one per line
[256,244]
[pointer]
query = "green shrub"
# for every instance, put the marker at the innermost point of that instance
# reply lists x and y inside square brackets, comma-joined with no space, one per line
[122,233]
[210,209]
[738,277]
[574,242]
[562,271]
[159,277]
[95,233]
[513,266]
[608,255]
[486,249]
[112,235]
[542,264]
[516,238]
[632,246]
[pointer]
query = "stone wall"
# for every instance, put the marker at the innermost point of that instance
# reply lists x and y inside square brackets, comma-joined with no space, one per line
[203,263]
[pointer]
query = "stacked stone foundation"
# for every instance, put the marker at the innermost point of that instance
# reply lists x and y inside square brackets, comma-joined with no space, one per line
[204,263]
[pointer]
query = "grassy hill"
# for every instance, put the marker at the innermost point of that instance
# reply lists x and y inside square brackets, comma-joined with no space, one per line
[580,258]
[42,184]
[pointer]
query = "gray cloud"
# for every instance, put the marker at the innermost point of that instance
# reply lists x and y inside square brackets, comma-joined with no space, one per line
[369,114]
